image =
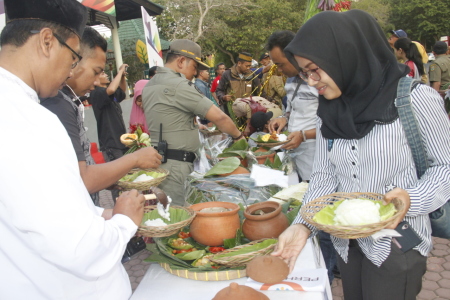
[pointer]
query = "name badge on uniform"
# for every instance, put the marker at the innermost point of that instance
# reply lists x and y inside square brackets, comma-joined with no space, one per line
[249,85]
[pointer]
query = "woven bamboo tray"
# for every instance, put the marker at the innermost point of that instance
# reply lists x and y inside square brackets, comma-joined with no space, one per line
[309,210]
[241,259]
[162,231]
[270,145]
[205,276]
[143,185]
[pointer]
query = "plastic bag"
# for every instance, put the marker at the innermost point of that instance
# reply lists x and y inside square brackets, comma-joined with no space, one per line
[239,189]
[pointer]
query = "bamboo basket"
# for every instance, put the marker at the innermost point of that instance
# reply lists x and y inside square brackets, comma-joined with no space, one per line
[143,185]
[170,229]
[309,210]
[205,276]
[241,259]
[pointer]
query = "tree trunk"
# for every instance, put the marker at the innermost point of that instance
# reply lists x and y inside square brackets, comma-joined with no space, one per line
[226,52]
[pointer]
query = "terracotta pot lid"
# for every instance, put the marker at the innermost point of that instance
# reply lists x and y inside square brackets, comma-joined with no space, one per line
[267,269]
[239,292]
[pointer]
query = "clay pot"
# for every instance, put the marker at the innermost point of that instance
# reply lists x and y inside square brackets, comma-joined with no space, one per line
[211,228]
[239,292]
[269,225]
[262,158]
[239,170]
[267,269]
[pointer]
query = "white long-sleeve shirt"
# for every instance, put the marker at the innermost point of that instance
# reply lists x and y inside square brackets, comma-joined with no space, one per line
[383,160]
[54,242]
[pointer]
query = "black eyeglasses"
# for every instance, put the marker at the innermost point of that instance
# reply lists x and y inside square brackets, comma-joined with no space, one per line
[60,40]
[310,73]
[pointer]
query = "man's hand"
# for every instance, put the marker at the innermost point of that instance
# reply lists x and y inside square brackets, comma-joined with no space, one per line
[277,124]
[227,98]
[296,138]
[122,69]
[401,195]
[130,204]
[147,158]
[291,243]
[107,213]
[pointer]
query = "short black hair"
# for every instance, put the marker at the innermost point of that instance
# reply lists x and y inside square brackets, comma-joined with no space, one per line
[152,71]
[279,39]
[218,65]
[91,39]
[246,54]
[171,57]
[18,32]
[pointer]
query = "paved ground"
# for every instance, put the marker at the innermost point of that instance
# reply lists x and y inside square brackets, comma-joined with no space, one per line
[435,284]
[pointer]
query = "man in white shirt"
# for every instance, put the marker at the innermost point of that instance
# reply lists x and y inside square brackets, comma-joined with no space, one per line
[301,111]
[55,243]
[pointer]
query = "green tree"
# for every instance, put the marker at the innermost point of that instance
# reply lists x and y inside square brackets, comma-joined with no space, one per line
[424,20]
[249,30]
[379,9]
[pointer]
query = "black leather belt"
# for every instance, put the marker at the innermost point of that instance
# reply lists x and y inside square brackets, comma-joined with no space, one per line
[181,155]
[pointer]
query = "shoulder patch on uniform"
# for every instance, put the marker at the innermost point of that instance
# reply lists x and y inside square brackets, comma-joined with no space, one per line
[194,85]
[432,67]
[169,91]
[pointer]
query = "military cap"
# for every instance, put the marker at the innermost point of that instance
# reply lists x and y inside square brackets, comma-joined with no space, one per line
[188,49]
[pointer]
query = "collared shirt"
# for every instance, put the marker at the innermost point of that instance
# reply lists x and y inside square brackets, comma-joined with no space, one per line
[55,244]
[440,70]
[173,101]
[382,160]
[302,106]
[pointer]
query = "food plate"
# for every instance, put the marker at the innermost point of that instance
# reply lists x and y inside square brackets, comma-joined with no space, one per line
[309,210]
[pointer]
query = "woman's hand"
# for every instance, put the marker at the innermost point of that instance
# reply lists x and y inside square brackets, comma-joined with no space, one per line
[291,243]
[277,124]
[401,195]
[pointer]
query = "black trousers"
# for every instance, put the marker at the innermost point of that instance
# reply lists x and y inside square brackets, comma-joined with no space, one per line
[398,278]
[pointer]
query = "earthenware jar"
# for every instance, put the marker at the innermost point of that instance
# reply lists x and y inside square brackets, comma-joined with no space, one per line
[238,292]
[211,228]
[264,220]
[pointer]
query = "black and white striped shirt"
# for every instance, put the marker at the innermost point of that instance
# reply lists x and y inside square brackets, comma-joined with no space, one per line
[382,160]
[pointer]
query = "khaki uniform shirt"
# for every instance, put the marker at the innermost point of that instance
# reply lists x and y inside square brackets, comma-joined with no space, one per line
[169,98]
[440,70]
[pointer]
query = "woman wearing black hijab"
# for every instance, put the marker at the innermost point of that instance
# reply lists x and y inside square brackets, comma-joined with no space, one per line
[361,147]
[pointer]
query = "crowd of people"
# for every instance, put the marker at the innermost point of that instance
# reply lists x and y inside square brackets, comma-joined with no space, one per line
[337,102]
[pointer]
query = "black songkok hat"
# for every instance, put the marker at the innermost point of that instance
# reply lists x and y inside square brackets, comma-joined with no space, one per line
[68,13]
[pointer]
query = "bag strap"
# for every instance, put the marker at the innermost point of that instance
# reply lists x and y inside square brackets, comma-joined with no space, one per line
[410,124]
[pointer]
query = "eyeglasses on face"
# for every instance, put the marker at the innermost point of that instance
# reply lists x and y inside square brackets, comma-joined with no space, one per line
[310,73]
[60,40]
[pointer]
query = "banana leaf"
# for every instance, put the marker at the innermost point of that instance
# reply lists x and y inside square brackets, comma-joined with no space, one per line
[259,139]
[193,255]
[227,165]
[176,215]
[248,249]
[240,153]
[131,177]
[293,214]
